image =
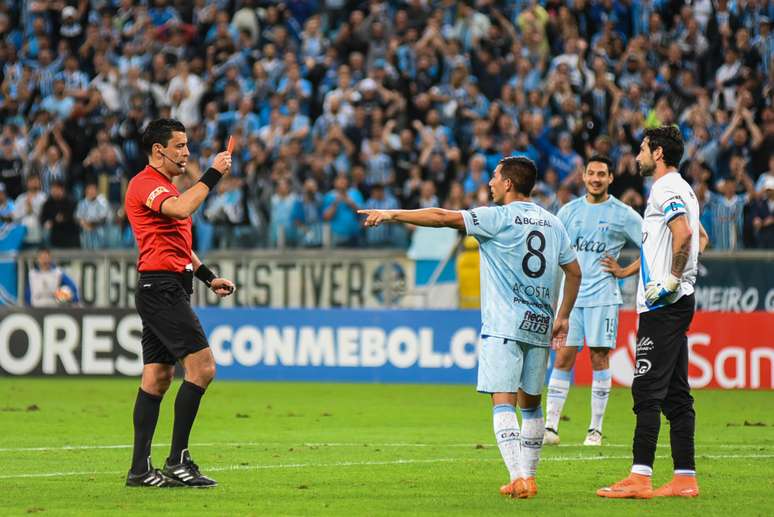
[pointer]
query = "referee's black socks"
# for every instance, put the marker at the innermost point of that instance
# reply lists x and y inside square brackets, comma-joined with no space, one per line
[186,406]
[146,414]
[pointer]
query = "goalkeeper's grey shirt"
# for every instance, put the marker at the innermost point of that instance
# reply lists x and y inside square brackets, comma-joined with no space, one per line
[670,197]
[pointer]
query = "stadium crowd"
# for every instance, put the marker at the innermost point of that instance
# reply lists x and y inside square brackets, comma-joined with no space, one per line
[340,104]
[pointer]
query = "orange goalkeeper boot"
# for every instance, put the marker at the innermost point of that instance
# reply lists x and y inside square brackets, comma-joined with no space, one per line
[680,486]
[635,486]
[520,488]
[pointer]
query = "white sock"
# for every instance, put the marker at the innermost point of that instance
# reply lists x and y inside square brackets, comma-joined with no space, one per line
[506,429]
[558,387]
[643,470]
[685,472]
[533,427]
[600,392]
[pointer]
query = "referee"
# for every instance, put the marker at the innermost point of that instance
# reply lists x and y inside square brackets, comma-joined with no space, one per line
[161,221]
[672,238]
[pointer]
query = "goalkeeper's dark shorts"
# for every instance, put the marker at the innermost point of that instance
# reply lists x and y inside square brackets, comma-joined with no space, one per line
[170,328]
[661,361]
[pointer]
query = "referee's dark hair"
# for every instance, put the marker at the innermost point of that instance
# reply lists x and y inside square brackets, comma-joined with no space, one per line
[521,171]
[160,131]
[669,139]
[601,158]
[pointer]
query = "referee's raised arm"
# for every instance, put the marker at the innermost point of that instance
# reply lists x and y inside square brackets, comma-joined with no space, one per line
[186,204]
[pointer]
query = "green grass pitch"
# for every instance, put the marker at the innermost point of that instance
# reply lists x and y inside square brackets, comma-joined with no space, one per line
[343,449]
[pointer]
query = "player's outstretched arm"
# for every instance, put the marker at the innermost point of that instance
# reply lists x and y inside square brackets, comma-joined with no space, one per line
[611,265]
[572,281]
[183,206]
[432,217]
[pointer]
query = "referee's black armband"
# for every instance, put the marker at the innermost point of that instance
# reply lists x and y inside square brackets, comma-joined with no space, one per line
[204,274]
[211,178]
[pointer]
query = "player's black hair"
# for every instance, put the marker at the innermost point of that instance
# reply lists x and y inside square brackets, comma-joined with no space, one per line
[669,139]
[521,171]
[160,131]
[601,158]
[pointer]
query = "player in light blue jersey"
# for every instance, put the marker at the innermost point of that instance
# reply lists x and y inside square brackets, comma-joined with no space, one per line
[599,225]
[522,249]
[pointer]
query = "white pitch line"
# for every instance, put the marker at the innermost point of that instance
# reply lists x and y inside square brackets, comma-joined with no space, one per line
[349,444]
[382,463]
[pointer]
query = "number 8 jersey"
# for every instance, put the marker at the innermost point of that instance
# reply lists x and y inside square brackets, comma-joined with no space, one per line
[521,248]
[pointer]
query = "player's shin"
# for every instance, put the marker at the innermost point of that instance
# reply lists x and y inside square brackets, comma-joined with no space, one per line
[506,429]
[532,428]
[558,388]
[186,406]
[146,415]
[600,393]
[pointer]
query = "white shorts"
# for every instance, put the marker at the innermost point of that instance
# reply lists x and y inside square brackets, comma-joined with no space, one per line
[505,365]
[597,325]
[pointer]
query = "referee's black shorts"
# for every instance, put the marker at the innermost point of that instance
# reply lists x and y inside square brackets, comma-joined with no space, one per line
[170,329]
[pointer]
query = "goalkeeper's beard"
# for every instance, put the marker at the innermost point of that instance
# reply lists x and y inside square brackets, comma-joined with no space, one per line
[646,170]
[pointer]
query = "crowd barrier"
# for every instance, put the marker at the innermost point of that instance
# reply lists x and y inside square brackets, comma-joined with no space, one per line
[727,350]
[360,279]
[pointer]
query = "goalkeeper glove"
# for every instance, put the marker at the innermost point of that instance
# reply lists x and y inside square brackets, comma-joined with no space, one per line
[657,291]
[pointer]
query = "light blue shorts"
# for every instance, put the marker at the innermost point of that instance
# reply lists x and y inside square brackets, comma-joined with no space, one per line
[597,325]
[505,365]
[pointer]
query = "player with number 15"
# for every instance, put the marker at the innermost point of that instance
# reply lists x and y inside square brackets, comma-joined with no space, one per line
[523,247]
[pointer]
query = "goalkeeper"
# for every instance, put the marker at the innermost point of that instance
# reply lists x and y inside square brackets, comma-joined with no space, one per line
[672,238]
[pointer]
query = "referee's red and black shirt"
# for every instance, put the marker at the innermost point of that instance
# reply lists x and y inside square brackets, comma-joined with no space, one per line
[164,242]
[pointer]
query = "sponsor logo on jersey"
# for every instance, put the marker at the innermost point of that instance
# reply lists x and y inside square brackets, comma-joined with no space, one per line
[537,323]
[529,220]
[592,246]
[153,195]
[474,217]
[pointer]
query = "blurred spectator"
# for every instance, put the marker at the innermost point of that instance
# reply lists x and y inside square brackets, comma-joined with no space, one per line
[28,209]
[283,202]
[6,207]
[340,207]
[57,217]
[225,210]
[427,197]
[727,215]
[476,174]
[388,234]
[48,285]
[50,157]
[307,215]
[92,213]
[11,168]
[763,215]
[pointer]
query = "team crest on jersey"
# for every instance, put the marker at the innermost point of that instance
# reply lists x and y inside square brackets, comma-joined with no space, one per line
[603,226]
[153,195]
